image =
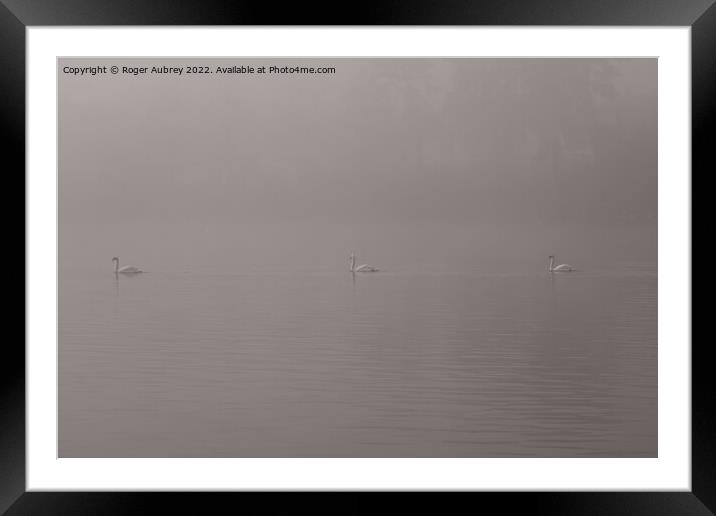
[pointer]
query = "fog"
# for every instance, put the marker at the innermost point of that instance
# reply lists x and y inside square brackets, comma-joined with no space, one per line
[393,157]
[242,196]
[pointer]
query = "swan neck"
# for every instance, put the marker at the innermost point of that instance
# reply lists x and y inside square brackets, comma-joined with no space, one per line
[551,263]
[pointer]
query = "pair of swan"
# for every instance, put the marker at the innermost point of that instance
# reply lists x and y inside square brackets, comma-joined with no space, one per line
[369,268]
[131,269]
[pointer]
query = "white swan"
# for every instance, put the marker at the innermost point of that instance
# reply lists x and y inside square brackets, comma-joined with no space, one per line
[127,269]
[559,268]
[360,268]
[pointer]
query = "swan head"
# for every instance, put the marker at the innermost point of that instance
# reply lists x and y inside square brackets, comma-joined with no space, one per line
[115,259]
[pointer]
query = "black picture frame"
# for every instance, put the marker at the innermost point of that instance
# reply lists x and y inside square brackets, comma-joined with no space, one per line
[17,15]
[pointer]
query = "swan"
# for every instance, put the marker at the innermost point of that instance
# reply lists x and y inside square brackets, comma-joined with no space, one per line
[360,268]
[559,268]
[127,269]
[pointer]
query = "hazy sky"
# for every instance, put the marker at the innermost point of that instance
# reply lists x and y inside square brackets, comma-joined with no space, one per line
[440,141]
[488,139]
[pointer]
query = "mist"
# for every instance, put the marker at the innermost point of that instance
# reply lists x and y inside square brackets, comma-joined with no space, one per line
[499,161]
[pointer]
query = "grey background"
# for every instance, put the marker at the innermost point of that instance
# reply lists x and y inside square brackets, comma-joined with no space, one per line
[242,197]
[534,143]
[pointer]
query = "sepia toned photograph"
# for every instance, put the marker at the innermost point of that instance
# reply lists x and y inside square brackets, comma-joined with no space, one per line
[357,257]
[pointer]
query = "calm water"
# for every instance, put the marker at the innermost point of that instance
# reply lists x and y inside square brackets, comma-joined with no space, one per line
[403,363]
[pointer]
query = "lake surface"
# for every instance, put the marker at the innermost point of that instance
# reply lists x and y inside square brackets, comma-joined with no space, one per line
[408,362]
